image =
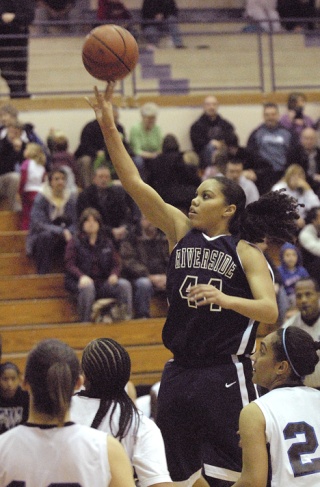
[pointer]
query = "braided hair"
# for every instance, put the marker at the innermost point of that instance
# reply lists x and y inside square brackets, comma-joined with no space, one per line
[273,216]
[107,366]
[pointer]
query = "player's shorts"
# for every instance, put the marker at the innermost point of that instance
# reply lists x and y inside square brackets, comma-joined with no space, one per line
[198,414]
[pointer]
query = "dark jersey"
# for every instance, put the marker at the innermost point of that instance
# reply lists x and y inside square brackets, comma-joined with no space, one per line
[14,411]
[200,336]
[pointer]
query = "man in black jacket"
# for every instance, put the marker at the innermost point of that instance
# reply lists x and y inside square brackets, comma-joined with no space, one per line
[207,129]
[15,19]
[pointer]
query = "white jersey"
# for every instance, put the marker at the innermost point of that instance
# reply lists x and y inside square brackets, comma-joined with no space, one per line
[144,446]
[293,431]
[35,456]
[311,380]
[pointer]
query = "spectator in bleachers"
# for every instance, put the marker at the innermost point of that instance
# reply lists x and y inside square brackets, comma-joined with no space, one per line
[117,209]
[295,118]
[265,12]
[32,176]
[14,402]
[146,137]
[270,143]
[251,167]
[91,146]
[15,19]
[307,318]
[64,12]
[93,267]
[60,156]
[281,295]
[297,10]
[11,156]
[295,183]
[174,174]
[234,171]
[307,155]
[113,10]
[53,220]
[291,269]
[309,240]
[207,129]
[9,115]
[163,20]
[144,263]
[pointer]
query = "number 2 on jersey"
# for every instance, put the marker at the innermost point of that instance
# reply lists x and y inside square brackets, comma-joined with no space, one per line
[297,450]
[192,281]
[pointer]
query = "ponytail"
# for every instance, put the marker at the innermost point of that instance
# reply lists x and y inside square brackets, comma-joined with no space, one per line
[273,216]
[52,371]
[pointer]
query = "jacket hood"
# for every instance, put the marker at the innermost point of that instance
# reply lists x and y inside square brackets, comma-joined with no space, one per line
[293,247]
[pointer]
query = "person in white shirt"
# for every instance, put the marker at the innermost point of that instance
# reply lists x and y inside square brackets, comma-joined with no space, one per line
[286,419]
[105,405]
[50,449]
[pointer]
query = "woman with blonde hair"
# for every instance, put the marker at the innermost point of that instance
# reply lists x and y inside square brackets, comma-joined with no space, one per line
[295,183]
[32,176]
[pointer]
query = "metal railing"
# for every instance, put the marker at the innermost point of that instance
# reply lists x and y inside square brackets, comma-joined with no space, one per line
[263,73]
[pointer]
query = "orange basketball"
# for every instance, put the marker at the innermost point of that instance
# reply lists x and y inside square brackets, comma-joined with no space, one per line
[110,52]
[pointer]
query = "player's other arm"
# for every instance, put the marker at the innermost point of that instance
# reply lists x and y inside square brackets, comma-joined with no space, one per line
[254,448]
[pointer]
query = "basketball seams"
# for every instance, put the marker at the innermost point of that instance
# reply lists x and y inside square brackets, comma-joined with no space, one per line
[111,50]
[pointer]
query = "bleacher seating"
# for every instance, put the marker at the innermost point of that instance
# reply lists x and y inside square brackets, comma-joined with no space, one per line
[34,307]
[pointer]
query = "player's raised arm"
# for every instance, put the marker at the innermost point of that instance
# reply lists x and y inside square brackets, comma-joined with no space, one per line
[169,219]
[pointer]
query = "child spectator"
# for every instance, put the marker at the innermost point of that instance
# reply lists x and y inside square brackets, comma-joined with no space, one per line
[291,269]
[14,402]
[58,145]
[32,176]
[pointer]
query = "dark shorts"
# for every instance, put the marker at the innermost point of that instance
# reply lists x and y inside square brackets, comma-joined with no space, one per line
[198,414]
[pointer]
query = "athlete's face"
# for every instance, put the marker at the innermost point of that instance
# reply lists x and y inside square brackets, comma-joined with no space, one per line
[264,363]
[209,211]
[9,382]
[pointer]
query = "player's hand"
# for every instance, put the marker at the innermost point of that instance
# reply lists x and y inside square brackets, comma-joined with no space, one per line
[102,106]
[204,295]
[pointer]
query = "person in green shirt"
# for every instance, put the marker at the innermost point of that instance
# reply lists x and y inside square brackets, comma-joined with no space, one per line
[146,138]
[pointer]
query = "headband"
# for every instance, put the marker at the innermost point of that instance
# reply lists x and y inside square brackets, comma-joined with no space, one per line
[286,352]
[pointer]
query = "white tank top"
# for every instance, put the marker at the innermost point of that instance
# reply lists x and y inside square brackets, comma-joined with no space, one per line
[293,431]
[39,457]
[144,445]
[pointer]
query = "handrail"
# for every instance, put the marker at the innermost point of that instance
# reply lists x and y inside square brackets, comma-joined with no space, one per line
[264,74]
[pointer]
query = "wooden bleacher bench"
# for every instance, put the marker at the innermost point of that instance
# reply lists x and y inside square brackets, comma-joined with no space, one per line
[142,339]
[34,307]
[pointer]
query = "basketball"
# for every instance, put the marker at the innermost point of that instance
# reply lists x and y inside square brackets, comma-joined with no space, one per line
[109,52]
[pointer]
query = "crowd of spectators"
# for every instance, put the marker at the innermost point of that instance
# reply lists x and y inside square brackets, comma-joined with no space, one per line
[54,187]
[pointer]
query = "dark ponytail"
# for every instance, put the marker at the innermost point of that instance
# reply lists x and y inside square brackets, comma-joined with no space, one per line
[273,216]
[52,371]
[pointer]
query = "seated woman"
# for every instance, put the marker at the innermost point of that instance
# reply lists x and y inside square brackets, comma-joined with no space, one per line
[295,183]
[285,419]
[93,267]
[105,405]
